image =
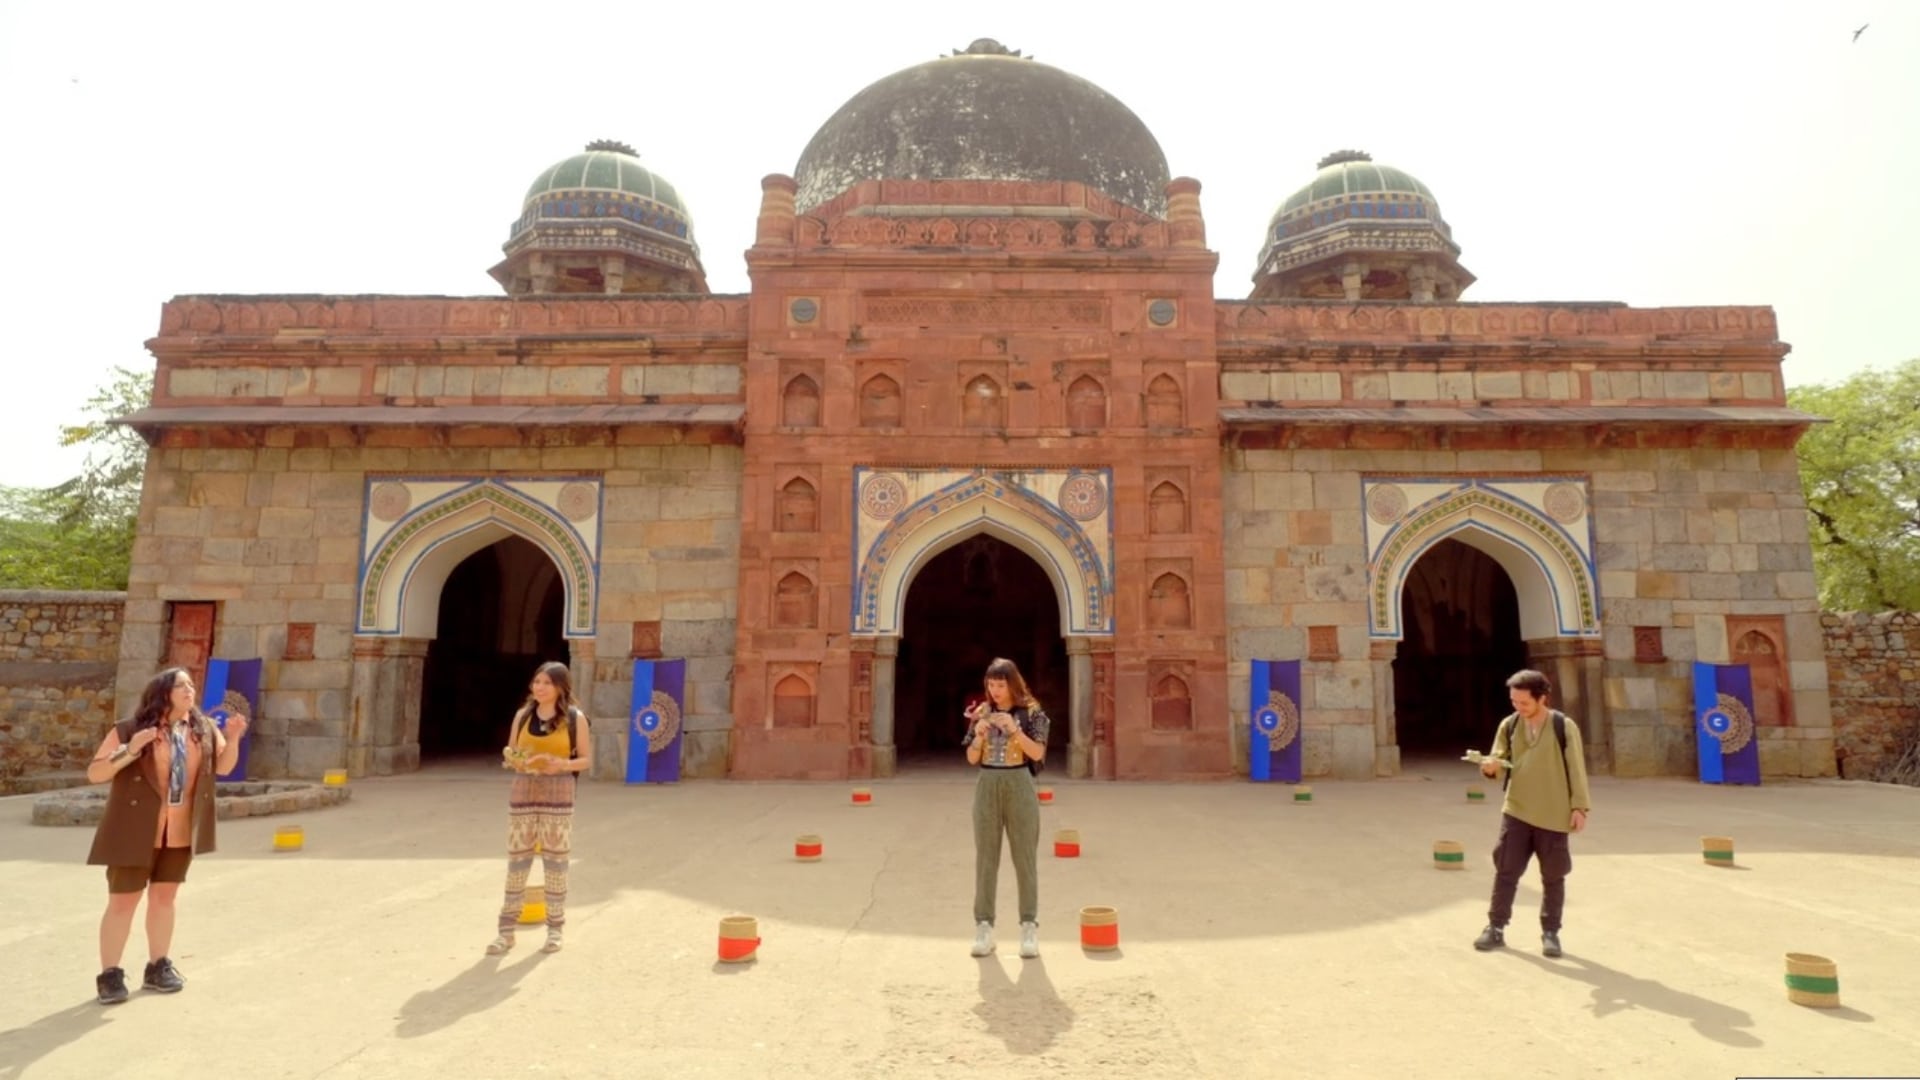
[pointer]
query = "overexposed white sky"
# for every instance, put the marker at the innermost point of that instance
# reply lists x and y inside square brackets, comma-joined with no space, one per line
[1654,153]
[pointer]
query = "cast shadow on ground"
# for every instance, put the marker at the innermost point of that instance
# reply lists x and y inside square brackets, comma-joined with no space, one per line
[1617,991]
[22,1046]
[1026,1015]
[476,990]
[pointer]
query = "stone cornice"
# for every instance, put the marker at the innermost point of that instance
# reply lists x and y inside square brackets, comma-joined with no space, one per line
[208,327]
[1249,326]
[433,316]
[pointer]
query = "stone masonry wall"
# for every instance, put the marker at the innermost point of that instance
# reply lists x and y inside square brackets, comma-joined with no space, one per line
[1874,665]
[670,553]
[58,652]
[1685,539]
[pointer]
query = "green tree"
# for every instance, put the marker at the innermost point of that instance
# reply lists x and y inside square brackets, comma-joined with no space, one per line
[79,534]
[1861,474]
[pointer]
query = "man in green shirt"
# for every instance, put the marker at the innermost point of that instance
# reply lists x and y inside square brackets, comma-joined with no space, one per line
[1546,800]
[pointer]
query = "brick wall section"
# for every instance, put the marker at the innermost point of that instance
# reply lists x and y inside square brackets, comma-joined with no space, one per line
[1874,671]
[58,652]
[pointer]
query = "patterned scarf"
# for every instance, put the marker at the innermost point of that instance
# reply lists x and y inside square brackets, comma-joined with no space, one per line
[177,768]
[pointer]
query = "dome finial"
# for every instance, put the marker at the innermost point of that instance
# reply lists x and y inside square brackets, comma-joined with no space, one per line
[614,145]
[1340,157]
[986,46]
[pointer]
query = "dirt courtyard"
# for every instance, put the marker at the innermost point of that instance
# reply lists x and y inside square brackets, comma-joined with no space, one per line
[1257,937]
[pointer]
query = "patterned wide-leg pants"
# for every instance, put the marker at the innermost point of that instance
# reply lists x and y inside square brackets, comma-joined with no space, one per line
[540,817]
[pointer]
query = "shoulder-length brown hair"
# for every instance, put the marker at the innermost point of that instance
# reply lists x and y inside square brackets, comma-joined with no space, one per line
[154,702]
[562,680]
[1003,668]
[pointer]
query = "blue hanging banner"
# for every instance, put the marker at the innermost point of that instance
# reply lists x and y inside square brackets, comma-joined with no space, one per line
[1274,753]
[655,731]
[233,687]
[1723,715]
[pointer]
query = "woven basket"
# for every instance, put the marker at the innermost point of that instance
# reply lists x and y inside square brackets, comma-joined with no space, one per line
[739,939]
[1099,929]
[1813,981]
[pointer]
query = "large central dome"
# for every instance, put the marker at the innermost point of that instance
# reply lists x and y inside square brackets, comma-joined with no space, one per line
[985,114]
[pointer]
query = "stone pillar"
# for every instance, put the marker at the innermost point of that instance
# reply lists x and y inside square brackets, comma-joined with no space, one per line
[1574,665]
[1185,226]
[406,681]
[886,650]
[613,274]
[363,702]
[383,711]
[1386,738]
[1079,708]
[1353,277]
[1420,280]
[775,228]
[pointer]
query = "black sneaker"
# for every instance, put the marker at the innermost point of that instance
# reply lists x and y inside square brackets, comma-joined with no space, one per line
[111,985]
[1550,943]
[164,977]
[1493,937]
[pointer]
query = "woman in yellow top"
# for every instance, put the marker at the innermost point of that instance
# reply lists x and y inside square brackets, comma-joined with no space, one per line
[547,748]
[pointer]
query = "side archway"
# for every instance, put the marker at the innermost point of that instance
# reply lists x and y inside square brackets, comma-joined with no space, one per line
[1552,579]
[404,570]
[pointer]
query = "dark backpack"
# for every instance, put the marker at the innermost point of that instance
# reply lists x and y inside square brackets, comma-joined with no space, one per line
[1559,736]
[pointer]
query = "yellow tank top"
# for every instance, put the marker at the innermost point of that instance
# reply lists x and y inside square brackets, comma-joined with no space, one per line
[554,742]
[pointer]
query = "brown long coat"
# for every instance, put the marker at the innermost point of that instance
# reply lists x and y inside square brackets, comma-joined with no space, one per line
[126,832]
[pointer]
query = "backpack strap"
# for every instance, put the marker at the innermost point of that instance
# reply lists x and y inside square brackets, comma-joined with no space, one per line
[1506,731]
[1560,734]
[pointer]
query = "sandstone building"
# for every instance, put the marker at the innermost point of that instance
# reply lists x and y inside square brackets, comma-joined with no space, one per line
[980,400]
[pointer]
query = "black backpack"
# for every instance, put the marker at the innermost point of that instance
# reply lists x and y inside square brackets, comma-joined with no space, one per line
[1559,736]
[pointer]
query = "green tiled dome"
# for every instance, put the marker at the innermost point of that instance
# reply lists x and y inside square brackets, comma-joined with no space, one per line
[607,180]
[1354,175]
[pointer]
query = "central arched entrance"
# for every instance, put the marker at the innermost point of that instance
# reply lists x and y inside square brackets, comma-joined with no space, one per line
[978,599]
[501,613]
[1461,618]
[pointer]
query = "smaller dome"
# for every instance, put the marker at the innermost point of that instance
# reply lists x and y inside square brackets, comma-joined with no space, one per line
[601,221]
[626,190]
[1346,173]
[1360,230]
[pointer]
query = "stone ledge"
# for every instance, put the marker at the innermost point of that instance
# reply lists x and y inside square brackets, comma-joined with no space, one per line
[248,798]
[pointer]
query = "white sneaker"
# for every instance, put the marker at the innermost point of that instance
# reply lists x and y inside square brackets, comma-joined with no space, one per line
[983,939]
[1029,940]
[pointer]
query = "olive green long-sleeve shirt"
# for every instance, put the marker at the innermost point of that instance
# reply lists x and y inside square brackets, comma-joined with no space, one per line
[1543,793]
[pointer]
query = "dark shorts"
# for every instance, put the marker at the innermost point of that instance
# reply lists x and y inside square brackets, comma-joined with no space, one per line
[169,866]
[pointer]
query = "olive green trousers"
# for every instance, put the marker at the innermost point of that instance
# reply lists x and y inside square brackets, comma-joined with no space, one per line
[1004,802]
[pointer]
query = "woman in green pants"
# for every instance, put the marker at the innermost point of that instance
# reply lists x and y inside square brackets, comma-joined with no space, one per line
[1008,731]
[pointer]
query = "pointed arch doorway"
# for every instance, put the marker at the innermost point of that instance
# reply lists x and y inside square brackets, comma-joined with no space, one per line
[1460,618]
[500,618]
[979,599]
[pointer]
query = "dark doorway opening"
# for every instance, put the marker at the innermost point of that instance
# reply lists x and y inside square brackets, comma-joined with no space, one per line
[1462,624]
[979,599]
[500,618]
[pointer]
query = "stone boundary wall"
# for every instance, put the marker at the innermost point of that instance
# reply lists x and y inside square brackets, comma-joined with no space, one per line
[1873,664]
[58,655]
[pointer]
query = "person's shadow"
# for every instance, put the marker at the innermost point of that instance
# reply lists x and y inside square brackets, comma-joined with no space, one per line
[1617,991]
[1028,1015]
[22,1046]
[475,990]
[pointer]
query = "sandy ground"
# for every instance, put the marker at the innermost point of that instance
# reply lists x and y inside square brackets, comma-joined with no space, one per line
[1258,937]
